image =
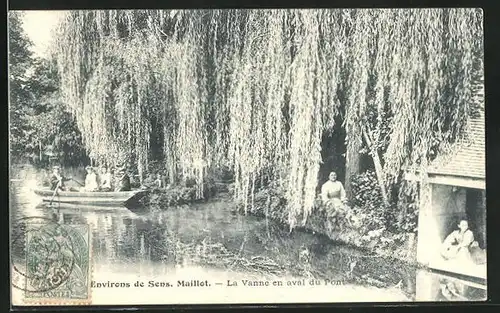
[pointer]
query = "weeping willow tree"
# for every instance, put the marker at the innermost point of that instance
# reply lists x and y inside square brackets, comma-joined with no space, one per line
[257,89]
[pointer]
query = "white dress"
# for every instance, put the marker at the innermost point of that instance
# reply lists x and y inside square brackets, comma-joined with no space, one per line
[106,180]
[331,190]
[91,182]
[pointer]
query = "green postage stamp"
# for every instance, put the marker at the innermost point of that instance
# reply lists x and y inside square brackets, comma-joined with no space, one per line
[57,268]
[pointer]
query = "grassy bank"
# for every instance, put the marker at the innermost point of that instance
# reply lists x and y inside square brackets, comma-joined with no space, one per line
[312,256]
[356,227]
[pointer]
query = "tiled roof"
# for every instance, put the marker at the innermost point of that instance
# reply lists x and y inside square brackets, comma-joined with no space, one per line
[467,156]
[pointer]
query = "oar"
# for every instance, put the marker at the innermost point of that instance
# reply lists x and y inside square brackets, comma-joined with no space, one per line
[76,181]
[55,191]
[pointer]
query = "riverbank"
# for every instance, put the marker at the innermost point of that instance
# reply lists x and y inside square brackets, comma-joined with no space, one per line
[211,236]
[347,262]
[270,205]
[399,246]
[381,242]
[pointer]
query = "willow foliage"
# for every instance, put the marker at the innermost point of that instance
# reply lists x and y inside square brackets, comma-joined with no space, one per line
[257,89]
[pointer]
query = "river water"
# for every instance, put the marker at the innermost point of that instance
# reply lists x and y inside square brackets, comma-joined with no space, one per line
[209,241]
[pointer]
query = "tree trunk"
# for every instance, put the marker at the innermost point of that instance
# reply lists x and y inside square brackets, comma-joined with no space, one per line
[378,166]
[41,152]
[352,158]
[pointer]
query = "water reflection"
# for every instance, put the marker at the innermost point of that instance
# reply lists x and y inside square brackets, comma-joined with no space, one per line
[208,236]
[440,287]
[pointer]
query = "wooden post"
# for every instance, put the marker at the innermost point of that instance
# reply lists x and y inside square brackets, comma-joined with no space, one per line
[40,147]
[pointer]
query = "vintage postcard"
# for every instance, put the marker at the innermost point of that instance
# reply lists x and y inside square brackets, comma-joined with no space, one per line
[246,156]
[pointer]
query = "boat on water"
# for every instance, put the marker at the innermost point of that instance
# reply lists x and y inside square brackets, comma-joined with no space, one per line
[100,198]
[82,207]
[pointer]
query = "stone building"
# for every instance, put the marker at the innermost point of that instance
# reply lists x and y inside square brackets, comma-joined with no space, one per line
[453,187]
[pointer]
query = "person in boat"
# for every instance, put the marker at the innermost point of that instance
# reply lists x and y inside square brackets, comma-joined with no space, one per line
[90,180]
[123,181]
[99,171]
[159,182]
[148,182]
[106,178]
[333,194]
[57,179]
[458,243]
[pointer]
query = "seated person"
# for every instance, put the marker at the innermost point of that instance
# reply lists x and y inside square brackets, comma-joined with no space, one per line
[99,171]
[106,178]
[332,193]
[123,181]
[459,242]
[153,182]
[159,182]
[148,182]
[90,180]
[57,179]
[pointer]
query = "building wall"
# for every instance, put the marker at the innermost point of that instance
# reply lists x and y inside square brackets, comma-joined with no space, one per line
[427,288]
[476,212]
[440,207]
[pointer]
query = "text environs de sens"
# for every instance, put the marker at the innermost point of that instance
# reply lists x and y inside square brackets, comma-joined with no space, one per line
[151,284]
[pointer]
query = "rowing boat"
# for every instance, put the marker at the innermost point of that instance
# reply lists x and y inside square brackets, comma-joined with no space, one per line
[109,198]
[79,208]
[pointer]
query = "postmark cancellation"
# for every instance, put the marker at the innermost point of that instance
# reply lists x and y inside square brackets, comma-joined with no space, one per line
[56,269]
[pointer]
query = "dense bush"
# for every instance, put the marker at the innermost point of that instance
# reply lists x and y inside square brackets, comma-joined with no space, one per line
[384,226]
[268,201]
[164,198]
[367,201]
[184,193]
[406,214]
[399,216]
